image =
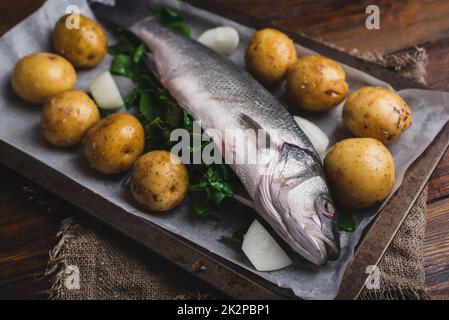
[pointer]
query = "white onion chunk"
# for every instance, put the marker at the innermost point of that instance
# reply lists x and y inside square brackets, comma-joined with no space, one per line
[105,92]
[223,40]
[262,250]
[317,137]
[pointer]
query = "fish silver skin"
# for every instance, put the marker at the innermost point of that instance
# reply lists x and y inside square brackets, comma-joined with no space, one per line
[288,189]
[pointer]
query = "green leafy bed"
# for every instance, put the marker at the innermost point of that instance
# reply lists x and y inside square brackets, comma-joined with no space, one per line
[211,186]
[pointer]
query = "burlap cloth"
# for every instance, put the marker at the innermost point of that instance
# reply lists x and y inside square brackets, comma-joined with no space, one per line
[112,267]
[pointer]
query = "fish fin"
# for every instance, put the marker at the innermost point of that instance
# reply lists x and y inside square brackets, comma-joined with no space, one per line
[250,123]
[148,58]
[289,147]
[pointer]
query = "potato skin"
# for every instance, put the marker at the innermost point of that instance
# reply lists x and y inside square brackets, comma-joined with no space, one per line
[67,116]
[157,183]
[114,143]
[85,47]
[316,83]
[378,113]
[360,172]
[41,75]
[269,55]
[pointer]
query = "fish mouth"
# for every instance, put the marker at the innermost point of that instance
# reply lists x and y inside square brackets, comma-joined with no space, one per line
[333,252]
[329,250]
[310,241]
[309,219]
[305,238]
[292,211]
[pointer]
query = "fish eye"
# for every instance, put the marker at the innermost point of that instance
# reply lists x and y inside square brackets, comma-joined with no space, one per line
[326,207]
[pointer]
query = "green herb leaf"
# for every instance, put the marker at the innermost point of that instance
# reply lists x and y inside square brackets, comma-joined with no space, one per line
[124,46]
[285,104]
[173,115]
[346,222]
[201,205]
[131,98]
[127,43]
[123,65]
[173,20]
[181,27]
[221,190]
[144,81]
[214,186]
[141,49]
[159,131]
[237,237]
[187,121]
[169,15]
[145,106]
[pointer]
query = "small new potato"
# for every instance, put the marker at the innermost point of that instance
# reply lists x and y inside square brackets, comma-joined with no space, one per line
[360,172]
[316,83]
[85,46]
[378,113]
[41,75]
[67,116]
[269,55]
[114,143]
[159,181]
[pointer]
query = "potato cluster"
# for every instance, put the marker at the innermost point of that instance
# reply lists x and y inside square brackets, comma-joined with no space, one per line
[49,79]
[360,170]
[71,117]
[41,75]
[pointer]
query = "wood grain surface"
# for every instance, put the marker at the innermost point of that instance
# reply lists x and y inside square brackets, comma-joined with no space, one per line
[27,229]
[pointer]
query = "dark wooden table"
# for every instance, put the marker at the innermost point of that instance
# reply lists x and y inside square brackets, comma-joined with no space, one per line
[27,228]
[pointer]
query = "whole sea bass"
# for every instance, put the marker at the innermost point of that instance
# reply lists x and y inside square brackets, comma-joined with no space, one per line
[288,188]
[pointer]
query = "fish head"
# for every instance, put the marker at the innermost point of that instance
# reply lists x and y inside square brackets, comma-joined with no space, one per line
[299,205]
[309,217]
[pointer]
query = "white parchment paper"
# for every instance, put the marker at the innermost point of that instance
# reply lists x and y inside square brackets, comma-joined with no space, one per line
[19,127]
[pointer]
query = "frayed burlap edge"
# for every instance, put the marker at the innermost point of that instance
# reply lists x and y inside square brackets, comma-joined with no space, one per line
[397,293]
[408,65]
[411,65]
[57,265]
